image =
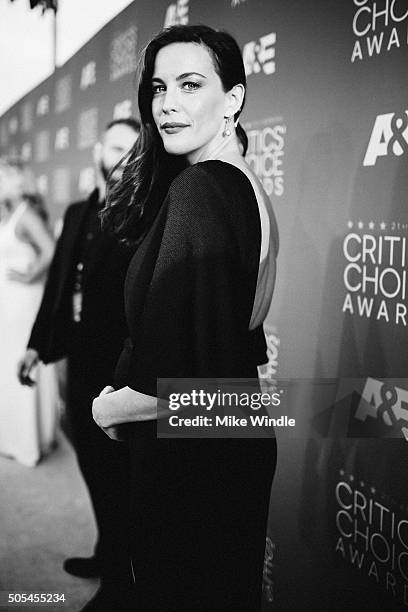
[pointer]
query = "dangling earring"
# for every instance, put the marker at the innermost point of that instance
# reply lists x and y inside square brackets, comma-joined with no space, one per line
[227,131]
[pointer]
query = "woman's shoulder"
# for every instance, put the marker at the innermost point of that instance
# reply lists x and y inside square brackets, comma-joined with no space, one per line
[208,173]
[28,217]
[210,183]
[31,227]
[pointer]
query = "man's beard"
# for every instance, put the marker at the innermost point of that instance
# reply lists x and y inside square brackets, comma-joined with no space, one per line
[107,173]
[105,170]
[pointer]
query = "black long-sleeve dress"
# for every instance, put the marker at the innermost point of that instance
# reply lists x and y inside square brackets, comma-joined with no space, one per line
[199,505]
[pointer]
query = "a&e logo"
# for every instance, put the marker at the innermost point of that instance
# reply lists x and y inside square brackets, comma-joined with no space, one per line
[176,14]
[259,55]
[268,579]
[389,135]
[385,403]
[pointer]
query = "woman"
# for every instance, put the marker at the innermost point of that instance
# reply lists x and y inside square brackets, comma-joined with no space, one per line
[28,416]
[197,292]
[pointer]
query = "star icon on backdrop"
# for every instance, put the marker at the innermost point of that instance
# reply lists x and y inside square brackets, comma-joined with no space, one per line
[360,225]
[371,225]
[383,225]
[350,224]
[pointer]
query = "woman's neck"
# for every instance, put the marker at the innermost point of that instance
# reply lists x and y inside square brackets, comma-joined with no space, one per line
[226,149]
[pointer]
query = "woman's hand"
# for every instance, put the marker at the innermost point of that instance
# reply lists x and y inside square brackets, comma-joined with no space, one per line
[112,410]
[101,410]
[26,365]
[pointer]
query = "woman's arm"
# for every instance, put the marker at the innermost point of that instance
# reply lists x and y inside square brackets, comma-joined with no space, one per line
[32,229]
[123,406]
[114,408]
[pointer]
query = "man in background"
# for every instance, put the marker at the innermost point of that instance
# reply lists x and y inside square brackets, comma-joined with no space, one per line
[82,318]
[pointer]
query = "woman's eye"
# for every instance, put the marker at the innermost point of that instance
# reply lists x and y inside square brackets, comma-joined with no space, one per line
[190,85]
[157,89]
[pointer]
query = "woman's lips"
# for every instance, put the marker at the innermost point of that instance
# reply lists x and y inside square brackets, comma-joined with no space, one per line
[173,128]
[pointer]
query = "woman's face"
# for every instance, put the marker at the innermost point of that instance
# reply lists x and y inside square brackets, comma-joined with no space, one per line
[189,103]
[10,183]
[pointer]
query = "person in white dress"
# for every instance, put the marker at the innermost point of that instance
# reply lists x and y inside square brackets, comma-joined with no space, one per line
[28,415]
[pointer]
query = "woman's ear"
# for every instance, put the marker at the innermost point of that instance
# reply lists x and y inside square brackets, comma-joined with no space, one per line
[234,100]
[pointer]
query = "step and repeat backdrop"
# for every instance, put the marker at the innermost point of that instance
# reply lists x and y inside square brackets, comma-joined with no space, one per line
[327,121]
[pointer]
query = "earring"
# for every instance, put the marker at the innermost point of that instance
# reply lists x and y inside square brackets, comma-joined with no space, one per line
[227,131]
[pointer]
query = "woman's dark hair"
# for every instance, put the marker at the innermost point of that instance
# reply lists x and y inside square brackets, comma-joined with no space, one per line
[133,201]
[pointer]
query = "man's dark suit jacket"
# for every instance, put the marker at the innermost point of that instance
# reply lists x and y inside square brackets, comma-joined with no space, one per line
[103,326]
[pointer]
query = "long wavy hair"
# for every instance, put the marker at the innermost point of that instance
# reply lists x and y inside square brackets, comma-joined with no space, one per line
[133,202]
[29,191]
